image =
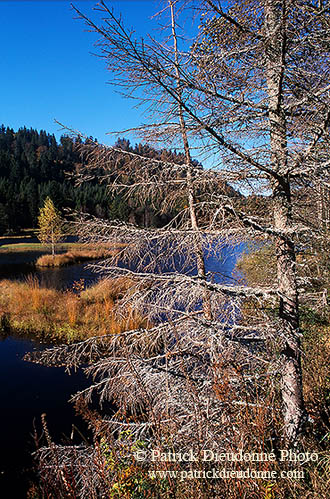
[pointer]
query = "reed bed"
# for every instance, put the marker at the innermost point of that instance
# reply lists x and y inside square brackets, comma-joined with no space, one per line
[74,256]
[69,315]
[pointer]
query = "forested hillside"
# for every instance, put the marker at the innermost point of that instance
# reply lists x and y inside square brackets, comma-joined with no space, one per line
[33,165]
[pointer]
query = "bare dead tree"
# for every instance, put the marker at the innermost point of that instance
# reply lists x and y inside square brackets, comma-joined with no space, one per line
[252,91]
[190,185]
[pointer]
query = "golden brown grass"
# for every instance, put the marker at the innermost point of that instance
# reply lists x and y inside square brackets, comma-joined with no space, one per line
[67,315]
[108,289]
[74,256]
[257,428]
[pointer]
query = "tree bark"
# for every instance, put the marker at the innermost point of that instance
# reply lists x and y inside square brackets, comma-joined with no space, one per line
[291,379]
[198,238]
[53,242]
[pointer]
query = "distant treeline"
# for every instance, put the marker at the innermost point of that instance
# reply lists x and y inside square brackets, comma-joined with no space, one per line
[33,165]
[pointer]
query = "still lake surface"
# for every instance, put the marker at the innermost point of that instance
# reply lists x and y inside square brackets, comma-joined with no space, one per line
[28,390]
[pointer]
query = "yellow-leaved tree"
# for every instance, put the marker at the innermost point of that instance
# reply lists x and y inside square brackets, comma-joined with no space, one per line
[50,224]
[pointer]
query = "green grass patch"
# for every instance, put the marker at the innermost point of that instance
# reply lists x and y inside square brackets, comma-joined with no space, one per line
[24,233]
[37,247]
[258,266]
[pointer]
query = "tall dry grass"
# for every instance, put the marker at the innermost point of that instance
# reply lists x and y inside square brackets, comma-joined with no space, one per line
[67,315]
[74,256]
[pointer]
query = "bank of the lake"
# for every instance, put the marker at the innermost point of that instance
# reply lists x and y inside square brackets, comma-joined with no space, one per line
[35,246]
[74,256]
[29,390]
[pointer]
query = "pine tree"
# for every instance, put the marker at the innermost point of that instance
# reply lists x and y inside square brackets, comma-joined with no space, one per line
[49,224]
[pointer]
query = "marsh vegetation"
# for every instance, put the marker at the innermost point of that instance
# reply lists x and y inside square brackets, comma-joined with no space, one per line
[71,315]
[73,257]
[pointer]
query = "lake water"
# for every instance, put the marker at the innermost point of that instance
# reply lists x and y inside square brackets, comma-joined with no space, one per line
[27,390]
[20,264]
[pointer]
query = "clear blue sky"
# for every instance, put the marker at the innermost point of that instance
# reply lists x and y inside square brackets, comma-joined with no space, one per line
[48,72]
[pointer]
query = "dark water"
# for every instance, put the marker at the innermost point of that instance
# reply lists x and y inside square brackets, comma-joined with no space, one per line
[27,390]
[21,265]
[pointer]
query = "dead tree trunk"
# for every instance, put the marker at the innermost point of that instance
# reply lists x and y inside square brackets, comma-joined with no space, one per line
[198,241]
[291,382]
